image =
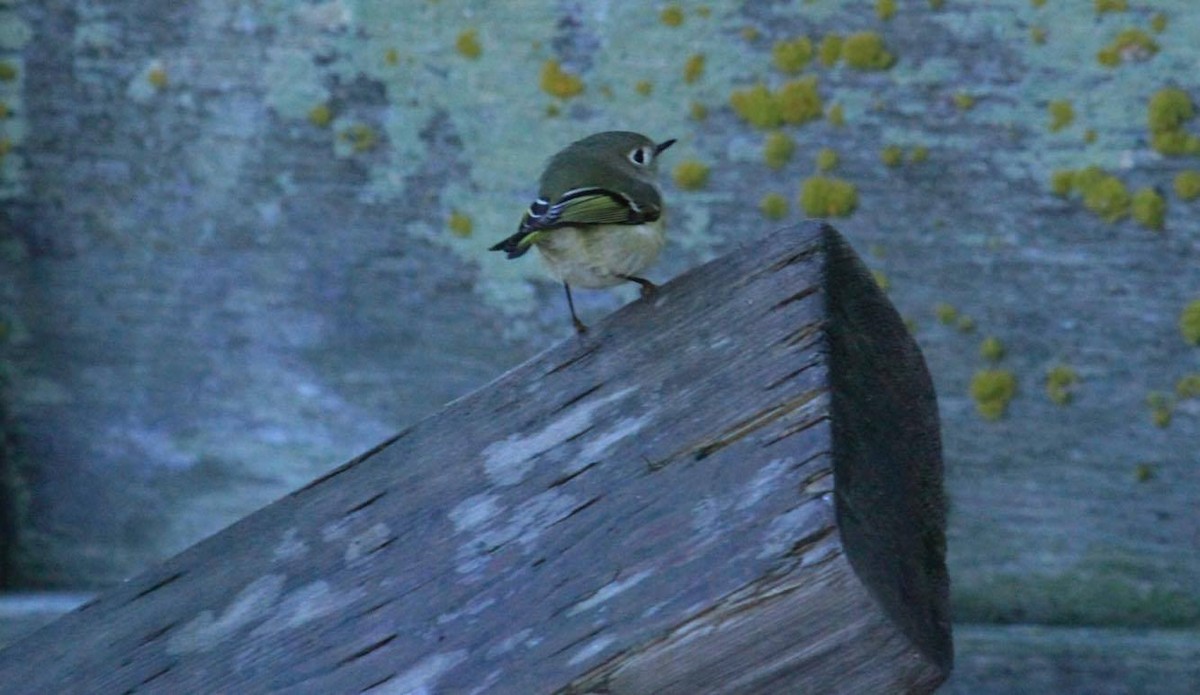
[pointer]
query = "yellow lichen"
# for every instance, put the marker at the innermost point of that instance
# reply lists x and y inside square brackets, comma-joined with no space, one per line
[827,159]
[1158,23]
[866,51]
[1161,406]
[4,112]
[792,56]
[836,116]
[774,206]
[1149,209]
[882,280]
[749,34]
[1037,3]
[1062,114]
[964,101]
[965,324]
[644,87]
[795,102]
[1061,182]
[157,77]
[1060,384]
[946,314]
[991,349]
[556,82]
[8,72]
[690,175]
[391,57]
[1089,135]
[698,111]
[778,149]
[885,9]
[1188,387]
[467,44]
[1103,6]
[936,4]
[693,69]
[361,137]
[1187,184]
[992,390]
[671,15]
[1102,193]
[460,224]
[1037,35]
[825,196]
[1166,114]
[829,51]
[1143,472]
[918,154]
[799,101]
[1129,45]
[892,156]
[1189,322]
[320,115]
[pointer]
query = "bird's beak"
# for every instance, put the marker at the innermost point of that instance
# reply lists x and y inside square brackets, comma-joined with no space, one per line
[658,149]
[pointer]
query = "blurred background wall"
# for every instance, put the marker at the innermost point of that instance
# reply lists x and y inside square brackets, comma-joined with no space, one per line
[243,240]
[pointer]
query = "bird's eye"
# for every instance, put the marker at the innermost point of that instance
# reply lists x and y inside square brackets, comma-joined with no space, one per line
[640,156]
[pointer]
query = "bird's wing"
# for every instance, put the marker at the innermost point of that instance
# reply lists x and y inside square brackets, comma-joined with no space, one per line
[587,206]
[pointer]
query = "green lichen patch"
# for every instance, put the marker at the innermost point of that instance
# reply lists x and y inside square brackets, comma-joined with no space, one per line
[881,279]
[1130,45]
[1187,185]
[946,313]
[836,116]
[460,224]
[992,390]
[693,69]
[866,50]
[891,156]
[778,149]
[1101,192]
[795,102]
[1061,381]
[964,101]
[1149,209]
[1103,6]
[826,196]
[1167,112]
[1161,406]
[690,175]
[918,154]
[467,44]
[671,15]
[885,9]
[320,115]
[829,50]
[1062,114]
[991,349]
[774,206]
[827,160]
[1188,387]
[1189,322]
[644,87]
[792,56]
[557,82]
[1158,22]
[360,136]
[8,71]
[1037,35]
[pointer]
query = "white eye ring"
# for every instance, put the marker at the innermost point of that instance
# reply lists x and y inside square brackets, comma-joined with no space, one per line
[641,156]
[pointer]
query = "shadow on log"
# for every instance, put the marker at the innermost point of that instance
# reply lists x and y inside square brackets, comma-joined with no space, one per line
[734,488]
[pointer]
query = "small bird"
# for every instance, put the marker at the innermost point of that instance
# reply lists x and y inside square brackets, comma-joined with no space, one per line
[597,220]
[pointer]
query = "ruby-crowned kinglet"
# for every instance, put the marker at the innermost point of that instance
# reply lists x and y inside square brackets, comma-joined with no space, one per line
[597,220]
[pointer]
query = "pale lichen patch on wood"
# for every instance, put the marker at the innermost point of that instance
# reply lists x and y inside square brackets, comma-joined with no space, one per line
[368,542]
[508,462]
[473,511]
[422,678]
[784,530]
[608,591]
[307,603]
[591,649]
[290,547]
[206,631]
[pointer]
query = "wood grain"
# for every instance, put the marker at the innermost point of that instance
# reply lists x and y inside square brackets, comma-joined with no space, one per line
[735,488]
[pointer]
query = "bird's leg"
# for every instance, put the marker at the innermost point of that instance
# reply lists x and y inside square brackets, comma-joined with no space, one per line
[579,327]
[648,288]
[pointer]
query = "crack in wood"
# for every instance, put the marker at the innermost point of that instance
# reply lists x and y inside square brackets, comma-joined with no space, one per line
[156,675]
[802,334]
[754,422]
[155,634]
[585,353]
[797,428]
[572,401]
[376,684]
[793,374]
[801,255]
[372,647]
[354,461]
[363,505]
[577,510]
[801,295]
[579,641]
[157,585]
[563,480]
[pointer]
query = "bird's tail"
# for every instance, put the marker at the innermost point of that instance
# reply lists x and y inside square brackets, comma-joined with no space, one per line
[516,245]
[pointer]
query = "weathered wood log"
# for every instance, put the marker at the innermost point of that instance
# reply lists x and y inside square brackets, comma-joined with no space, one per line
[735,488]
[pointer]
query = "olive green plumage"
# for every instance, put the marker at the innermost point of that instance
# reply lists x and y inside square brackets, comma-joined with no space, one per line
[597,220]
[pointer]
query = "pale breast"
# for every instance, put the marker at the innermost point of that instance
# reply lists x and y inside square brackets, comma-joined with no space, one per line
[598,256]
